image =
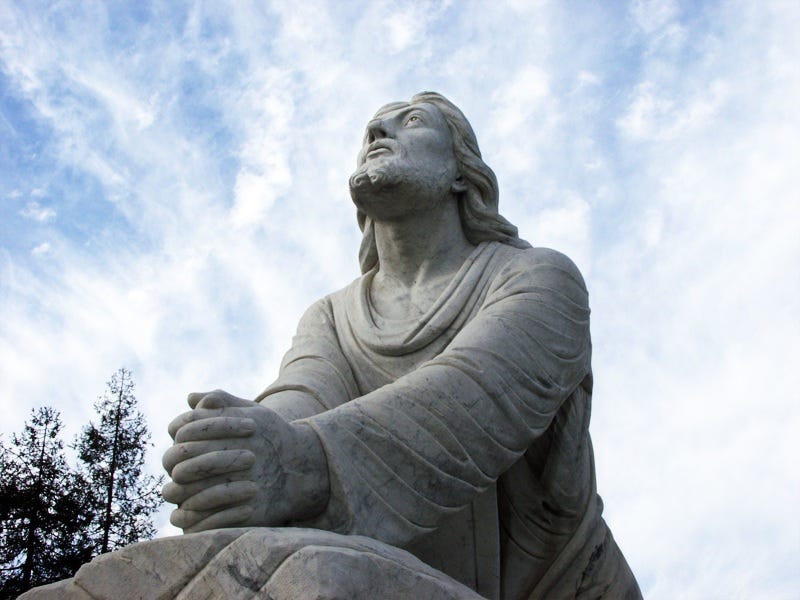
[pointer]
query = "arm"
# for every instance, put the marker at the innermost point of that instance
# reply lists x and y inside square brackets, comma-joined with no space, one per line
[406,454]
[239,462]
[314,374]
[403,456]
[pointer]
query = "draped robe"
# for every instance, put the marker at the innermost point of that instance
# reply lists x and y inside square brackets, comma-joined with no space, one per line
[462,435]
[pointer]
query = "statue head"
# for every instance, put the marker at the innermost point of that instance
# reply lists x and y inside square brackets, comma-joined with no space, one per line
[476,194]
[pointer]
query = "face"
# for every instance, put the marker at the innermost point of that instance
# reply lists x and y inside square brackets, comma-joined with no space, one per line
[406,164]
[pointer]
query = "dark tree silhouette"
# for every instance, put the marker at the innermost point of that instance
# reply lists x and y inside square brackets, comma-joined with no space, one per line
[44,511]
[112,454]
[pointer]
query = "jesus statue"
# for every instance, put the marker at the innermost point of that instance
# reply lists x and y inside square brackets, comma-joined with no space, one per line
[439,403]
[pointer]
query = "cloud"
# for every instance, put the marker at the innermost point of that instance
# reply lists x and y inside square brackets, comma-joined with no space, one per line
[566,227]
[403,29]
[695,257]
[33,210]
[656,116]
[41,249]
[651,15]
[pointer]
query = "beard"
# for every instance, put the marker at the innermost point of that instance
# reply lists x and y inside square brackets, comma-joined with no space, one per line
[375,183]
[373,175]
[390,187]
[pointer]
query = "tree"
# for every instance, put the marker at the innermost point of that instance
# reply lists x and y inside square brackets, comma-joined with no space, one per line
[113,453]
[43,510]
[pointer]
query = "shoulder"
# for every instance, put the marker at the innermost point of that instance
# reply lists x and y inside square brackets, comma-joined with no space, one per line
[536,266]
[322,311]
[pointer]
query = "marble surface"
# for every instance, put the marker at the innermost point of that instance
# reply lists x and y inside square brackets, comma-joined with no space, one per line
[276,564]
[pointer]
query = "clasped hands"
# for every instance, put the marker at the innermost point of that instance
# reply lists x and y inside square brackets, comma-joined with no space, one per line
[237,463]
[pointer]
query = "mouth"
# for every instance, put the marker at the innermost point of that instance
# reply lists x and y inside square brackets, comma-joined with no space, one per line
[377,149]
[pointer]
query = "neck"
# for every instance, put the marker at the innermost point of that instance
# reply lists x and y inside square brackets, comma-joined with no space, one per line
[421,247]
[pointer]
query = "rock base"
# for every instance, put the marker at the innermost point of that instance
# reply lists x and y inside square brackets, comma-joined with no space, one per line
[275,563]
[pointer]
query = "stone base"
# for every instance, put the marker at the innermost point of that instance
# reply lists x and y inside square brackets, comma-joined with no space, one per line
[275,563]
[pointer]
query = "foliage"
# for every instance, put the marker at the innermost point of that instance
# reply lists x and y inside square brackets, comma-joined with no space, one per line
[113,453]
[54,518]
[43,509]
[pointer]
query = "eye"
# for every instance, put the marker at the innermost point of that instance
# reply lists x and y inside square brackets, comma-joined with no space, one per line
[413,119]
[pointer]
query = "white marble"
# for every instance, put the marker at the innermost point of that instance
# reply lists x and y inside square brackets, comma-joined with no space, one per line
[439,403]
[253,563]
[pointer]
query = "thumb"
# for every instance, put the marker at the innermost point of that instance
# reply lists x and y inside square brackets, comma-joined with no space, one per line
[216,399]
[195,397]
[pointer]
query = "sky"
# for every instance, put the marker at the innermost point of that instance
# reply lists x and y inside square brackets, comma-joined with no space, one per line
[173,196]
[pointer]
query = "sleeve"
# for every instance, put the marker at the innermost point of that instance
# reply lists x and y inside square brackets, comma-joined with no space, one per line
[407,454]
[314,374]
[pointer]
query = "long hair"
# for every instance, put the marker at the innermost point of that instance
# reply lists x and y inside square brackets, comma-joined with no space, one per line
[477,204]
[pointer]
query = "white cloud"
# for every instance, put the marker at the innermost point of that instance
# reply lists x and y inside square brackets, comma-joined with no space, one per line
[33,210]
[566,228]
[653,115]
[701,265]
[125,108]
[587,78]
[265,109]
[652,227]
[403,29]
[41,249]
[651,15]
[525,95]
[524,118]
[254,197]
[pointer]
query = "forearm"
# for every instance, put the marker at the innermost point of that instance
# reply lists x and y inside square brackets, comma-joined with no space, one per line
[292,404]
[307,483]
[404,456]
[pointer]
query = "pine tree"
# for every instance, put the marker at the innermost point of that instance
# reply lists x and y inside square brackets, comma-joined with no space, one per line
[113,453]
[43,508]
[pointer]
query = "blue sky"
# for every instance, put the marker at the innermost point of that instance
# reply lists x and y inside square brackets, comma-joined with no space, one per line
[173,195]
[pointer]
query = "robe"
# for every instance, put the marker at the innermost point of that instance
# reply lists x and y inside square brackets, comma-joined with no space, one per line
[463,435]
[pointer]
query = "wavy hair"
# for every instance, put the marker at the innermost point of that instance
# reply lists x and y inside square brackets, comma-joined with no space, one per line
[477,204]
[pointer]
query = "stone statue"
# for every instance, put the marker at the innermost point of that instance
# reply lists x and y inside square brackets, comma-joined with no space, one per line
[439,404]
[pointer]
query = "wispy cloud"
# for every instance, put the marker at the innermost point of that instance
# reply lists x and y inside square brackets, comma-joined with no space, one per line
[33,210]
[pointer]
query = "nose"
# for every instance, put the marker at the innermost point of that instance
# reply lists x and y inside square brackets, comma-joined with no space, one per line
[376,129]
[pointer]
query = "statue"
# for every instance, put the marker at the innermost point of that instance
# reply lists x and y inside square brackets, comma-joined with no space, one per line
[439,404]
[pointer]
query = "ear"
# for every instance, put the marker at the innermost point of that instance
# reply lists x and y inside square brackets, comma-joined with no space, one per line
[459,185]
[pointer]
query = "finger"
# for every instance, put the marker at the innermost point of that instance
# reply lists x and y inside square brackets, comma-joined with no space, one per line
[215,428]
[186,518]
[178,422]
[181,452]
[221,399]
[179,492]
[189,417]
[230,517]
[195,397]
[225,494]
[213,463]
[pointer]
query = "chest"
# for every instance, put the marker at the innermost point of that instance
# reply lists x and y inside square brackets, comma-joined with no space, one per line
[394,302]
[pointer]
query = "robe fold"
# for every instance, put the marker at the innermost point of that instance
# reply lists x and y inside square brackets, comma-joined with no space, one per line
[462,435]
